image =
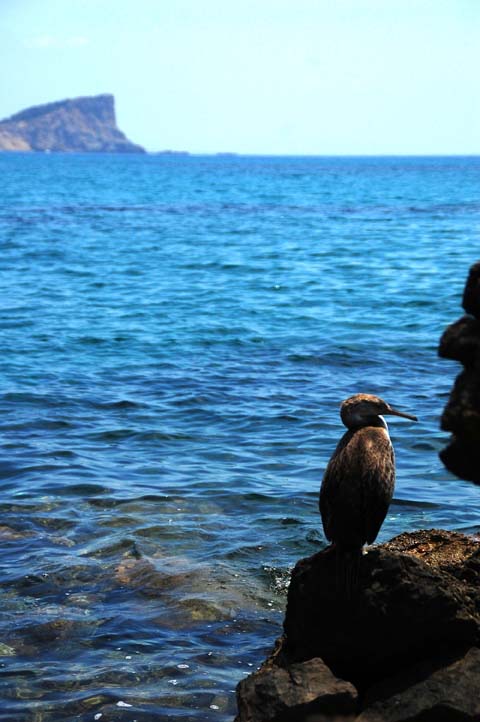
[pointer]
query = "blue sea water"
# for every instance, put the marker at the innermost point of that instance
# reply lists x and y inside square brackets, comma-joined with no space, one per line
[176,336]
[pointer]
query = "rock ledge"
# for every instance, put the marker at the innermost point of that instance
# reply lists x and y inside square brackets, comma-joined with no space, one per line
[404,649]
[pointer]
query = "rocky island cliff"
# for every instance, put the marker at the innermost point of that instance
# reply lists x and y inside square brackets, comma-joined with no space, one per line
[81,125]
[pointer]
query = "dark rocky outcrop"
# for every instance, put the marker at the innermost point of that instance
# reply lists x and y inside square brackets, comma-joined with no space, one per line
[406,606]
[461,342]
[288,693]
[412,629]
[75,125]
[430,693]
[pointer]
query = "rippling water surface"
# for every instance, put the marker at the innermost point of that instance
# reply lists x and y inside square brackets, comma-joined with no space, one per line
[177,334]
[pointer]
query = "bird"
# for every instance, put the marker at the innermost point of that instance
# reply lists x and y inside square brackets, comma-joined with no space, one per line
[358,484]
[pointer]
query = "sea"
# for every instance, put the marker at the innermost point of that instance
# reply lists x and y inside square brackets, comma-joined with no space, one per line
[177,333]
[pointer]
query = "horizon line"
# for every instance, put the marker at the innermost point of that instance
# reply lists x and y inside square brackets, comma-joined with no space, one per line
[234,154]
[311,155]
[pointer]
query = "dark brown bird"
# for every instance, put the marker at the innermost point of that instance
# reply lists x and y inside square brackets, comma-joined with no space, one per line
[358,484]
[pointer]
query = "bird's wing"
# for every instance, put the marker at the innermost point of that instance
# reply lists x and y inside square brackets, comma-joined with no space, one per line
[378,481]
[357,487]
[330,490]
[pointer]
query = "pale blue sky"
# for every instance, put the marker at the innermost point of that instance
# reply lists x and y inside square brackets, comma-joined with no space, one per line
[257,76]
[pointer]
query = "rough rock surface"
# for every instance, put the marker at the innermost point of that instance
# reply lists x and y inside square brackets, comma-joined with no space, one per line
[284,693]
[471,294]
[445,694]
[75,125]
[461,342]
[405,608]
[414,616]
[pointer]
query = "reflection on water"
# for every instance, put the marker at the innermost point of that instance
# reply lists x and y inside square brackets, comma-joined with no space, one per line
[176,341]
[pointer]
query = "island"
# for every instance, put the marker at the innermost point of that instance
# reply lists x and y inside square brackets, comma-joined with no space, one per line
[76,125]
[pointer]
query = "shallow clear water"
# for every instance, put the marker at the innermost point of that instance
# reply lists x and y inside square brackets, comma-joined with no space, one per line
[177,334]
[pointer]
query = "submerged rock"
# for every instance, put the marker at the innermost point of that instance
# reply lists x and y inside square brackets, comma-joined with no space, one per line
[415,615]
[9,534]
[6,650]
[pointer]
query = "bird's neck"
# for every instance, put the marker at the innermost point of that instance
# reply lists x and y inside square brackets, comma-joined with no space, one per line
[382,423]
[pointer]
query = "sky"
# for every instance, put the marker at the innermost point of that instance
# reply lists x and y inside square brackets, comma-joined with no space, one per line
[321,77]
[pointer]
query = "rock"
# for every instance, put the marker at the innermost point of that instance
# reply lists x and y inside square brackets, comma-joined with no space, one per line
[447,694]
[6,650]
[462,459]
[471,294]
[299,691]
[53,631]
[9,534]
[405,608]
[461,416]
[80,125]
[12,141]
[462,413]
[446,550]
[415,613]
[461,342]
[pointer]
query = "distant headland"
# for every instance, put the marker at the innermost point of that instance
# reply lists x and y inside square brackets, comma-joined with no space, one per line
[81,125]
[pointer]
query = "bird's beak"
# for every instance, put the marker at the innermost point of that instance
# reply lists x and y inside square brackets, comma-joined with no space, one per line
[394,412]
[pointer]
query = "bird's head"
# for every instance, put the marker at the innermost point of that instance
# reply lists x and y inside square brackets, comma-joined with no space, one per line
[365,410]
